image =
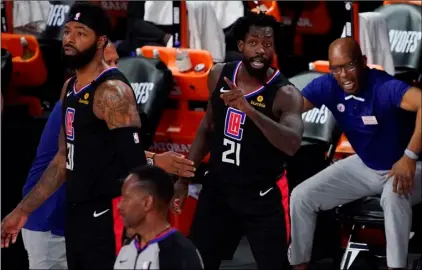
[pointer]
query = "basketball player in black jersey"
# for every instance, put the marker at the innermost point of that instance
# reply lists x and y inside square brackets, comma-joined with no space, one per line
[99,143]
[253,120]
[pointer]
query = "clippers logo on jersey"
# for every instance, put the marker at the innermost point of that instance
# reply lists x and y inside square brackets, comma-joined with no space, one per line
[69,119]
[234,120]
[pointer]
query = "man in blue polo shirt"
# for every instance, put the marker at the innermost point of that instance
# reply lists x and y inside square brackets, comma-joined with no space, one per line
[376,112]
[43,233]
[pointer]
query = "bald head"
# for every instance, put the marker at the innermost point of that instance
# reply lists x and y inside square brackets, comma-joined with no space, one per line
[347,63]
[345,47]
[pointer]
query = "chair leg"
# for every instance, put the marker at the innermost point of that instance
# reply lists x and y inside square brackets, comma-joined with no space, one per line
[417,265]
[352,250]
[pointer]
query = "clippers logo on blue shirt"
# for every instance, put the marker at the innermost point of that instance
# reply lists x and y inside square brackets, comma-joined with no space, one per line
[69,119]
[234,120]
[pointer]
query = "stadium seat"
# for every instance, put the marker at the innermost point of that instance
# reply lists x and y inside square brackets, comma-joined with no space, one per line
[364,219]
[188,99]
[404,25]
[319,138]
[26,73]
[151,81]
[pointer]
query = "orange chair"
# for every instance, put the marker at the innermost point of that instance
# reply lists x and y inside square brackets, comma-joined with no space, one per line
[343,148]
[26,73]
[178,125]
[417,3]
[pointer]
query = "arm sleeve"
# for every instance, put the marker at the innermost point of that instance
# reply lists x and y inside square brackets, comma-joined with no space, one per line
[395,90]
[129,148]
[318,91]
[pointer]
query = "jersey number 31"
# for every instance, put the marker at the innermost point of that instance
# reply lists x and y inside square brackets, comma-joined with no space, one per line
[232,129]
[70,136]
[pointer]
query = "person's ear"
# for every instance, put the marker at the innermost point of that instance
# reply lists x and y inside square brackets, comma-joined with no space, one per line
[240,45]
[148,203]
[102,42]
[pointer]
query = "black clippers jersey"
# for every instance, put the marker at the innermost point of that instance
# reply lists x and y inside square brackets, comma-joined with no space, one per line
[238,146]
[92,168]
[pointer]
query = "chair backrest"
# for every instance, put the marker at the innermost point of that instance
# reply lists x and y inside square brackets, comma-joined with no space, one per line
[29,72]
[319,123]
[190,85]
[404,26]
[151,82]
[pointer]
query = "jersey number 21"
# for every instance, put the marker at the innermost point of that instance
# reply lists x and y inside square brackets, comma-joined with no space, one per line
[233,135]
[70,135]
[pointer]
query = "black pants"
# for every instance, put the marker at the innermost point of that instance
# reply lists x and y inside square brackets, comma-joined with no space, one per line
[89,233]
[224,214]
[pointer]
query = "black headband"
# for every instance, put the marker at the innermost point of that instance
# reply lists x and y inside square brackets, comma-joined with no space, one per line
[89,21]
[93,16]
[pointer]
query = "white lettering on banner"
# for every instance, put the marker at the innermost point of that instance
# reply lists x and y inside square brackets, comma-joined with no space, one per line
[142,91]
[114,5]
[57,15]
[317,116]
[175,147]
[302,22]
[402,41]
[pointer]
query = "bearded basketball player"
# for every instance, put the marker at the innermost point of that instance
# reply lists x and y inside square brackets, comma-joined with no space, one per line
[98,145]
[253,120]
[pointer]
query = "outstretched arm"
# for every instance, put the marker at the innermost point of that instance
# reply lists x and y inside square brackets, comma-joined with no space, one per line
[412,102]
[286,134]
[52,178]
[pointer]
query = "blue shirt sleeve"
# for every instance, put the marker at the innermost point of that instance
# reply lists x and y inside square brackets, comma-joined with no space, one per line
[318,91]
[394,90]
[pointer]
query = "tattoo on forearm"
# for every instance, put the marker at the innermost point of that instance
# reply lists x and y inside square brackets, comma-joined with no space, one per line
[50,181]
[116,103]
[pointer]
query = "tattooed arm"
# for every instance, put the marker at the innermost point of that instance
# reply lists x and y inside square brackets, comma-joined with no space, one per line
[50,181]
[52,178]
[114,102]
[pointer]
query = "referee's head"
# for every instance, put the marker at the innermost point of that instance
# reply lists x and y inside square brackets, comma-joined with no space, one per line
[146,196]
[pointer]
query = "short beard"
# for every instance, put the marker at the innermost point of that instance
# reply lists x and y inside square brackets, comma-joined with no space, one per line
[257,73]
[80,59]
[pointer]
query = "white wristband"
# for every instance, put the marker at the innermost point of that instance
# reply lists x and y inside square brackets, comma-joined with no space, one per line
[411,154]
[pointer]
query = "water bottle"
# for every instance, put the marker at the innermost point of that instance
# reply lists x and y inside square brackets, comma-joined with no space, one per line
[26,51]
[183,61]
[155,54]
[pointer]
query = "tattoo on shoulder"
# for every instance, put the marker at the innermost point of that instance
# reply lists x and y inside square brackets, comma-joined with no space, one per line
[114,102]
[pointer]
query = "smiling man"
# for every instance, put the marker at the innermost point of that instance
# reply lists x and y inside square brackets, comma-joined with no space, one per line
[377,114]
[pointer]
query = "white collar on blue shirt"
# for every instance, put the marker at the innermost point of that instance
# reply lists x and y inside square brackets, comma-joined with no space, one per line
[354,97]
